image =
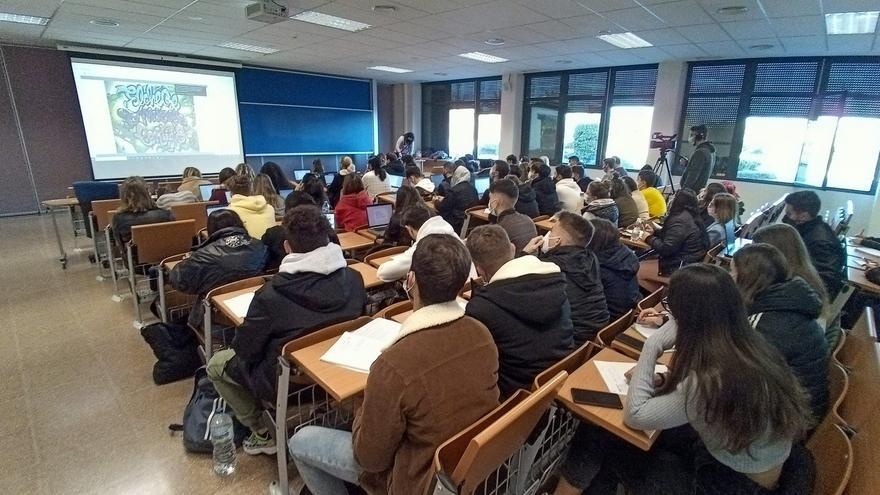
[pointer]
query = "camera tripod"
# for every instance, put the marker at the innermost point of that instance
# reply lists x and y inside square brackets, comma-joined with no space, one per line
[661,165]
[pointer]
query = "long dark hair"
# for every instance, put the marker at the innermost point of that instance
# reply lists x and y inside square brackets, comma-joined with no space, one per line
[375,164]
[757,267]
[276,175]
[619,188]
[317,166]
[712,189]
[741,384]
[407,196]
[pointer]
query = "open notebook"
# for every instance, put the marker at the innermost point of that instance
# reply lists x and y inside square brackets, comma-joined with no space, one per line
[239,304]
[614,374]
[358,349]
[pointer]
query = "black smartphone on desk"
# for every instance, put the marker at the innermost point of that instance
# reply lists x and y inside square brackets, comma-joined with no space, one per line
[596,398]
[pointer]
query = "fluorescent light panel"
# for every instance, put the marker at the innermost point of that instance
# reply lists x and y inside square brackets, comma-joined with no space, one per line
[386,68]
[624,40]
[483,57]
[247,48]
[330,21]
[851,22]
[24,19]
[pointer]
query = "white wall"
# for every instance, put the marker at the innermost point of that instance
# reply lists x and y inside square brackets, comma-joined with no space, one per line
[512,94]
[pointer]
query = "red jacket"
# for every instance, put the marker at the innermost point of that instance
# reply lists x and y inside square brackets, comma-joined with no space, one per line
[351,210]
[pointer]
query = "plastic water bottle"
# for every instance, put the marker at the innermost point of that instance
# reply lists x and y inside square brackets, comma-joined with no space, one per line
[224,444]
[325,208]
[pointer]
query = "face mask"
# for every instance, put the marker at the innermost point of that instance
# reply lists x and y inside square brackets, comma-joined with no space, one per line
[545,244]
[408,286]
[492,210]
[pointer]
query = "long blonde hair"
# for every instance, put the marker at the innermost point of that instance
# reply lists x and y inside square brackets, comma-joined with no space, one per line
[245,169]
[263,187]
[191,172]
[134,196]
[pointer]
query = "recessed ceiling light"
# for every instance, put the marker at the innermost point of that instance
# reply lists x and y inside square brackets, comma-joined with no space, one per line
[103,21]
[247,48]
[563,62]
[384,8]
[195,18]
[483,57]
[330,21]
[494,41]
[734,10]
[386,68]
[851,22]
[624,40]
[24,19]
[761,47]
[440,74]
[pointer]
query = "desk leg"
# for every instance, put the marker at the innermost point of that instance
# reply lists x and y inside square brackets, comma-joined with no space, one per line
[62,256]
[282,486]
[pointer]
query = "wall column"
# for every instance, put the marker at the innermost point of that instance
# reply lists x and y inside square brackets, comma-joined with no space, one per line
[668,97]
[512,94]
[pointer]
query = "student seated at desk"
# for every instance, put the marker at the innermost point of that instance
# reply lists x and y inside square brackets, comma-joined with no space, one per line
[351,210]
[136,207]
[334,190]
[722,210]
[826,250]
[618,267]
[628,210]
[218,194]
[568,191]
[309,192]
[681,241]
[784,310]
[638,197]
[263,187]
[416,397]
[277,176]
[647,182]
[705,197]
[499,170]
[192,179]
[746,410]
[459,196]
[503,194]
[313,288]
[581,179]
[524,305]
[376,179]
[545,189]
[419,222]
[229,254]
[566,247]
[256,214]
[395,235]
[600,203]
[526,202]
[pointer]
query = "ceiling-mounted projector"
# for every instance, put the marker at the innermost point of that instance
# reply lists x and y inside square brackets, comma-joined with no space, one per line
[267,11]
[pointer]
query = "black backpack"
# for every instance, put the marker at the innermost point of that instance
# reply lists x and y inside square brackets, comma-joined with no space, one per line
[204,403]
[176,350]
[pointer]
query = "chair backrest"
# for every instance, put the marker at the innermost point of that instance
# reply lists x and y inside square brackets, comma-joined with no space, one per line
[198,212]
[394,309]
[87,191]
[652,299]
[237,285]
[833,453]
[568,364]
[101,208]
[324,334]
[472,455]
[606,335]
[838,384]
[385,252]
[157,241]
[712,254]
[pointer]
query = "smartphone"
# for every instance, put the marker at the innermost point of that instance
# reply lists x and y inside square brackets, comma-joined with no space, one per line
[596,398]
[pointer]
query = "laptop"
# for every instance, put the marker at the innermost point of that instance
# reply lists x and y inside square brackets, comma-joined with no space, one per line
[328,177]
[300,174]
[332,219]
[396,181]
[228,197]
[284,192]
[481,183]
[212,209]
[378,218]
[206,190]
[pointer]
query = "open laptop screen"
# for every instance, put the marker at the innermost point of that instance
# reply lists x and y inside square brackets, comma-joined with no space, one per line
[207,190]
[299,174]
[395,180]
[481,184]
[379,215]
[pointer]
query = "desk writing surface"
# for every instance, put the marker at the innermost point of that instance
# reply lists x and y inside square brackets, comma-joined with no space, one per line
[636,244]
[546,225]
[387,198]
[350,241]
[588,377]
[58,203]
[369,273]
[481,214]
[400,318]
[857,278]
[341,383]
[377,262]
[171,264]
[635,352]
[220,303]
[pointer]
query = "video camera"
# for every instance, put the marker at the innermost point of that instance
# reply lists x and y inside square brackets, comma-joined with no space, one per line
[663,143]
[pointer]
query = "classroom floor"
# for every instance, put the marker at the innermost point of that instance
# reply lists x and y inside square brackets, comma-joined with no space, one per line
[79,411]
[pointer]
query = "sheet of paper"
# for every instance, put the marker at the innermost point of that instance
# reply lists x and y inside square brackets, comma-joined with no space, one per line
[613,373]
[380,329]
[644,330]
[868,253]
[354,352]
[239,304]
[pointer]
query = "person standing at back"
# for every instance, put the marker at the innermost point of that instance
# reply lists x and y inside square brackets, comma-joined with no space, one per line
[460,196]
[503,194]
[376,180]
[525,306]
[256,214]
[136,207]
[566,247]
[568,191]
[702,162]
[826,250]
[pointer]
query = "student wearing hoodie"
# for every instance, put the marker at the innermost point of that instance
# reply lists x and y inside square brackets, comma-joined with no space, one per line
[566,246]
[227,255]
[526,202]
[256,214]
[351,210]
[313,288]
[567,190]
[601,205]
[525,306]
[542,184]
[626,206]
[460,195]
[520,229]
[784,309]
[582,180]
[419,222]
[334,190]
[618,266]
[192,179]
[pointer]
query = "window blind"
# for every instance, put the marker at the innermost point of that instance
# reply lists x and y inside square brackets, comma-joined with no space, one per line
[588,84]
[544,87]
[634,87]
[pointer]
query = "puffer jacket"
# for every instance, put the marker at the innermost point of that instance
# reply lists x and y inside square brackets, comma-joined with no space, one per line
[527,204]
[545,194]
[619,268]
[228,255]
[602,208]
[458,198]
[785,314]
[826,251]
[589,311]
[681,241]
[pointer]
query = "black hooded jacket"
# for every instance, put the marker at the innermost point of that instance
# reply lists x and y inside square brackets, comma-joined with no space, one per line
[530,320]
[826,252]
[545,194]
[681,241]
[785,314]
[699,168]
[619,268]
[527,204]
[289,306]
[589,311]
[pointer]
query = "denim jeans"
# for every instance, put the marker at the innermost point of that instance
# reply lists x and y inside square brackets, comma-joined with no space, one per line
[325,459]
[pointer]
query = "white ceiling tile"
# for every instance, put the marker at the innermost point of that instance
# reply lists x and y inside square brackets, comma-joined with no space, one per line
[380,18]
[418,31]
[591,24]
[42,8]
[556,9]
[443,23]
[223,8]
[799,26]
[722,49]
[430,6]
[92,12]
[574,46]
[748,29]
[805,45]
[558,30]
[684,13]
[503,13]
[622,57]
[684,52]
[790,8]
[711,7]
[830,6]
[703,33]
[20,31]
[662,37]
[636,19]
[130,6]
[607,5]
[850,43]
[650,54]
[164,46]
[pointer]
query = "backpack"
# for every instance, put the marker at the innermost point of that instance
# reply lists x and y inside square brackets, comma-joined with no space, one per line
[176,351]
[204,403]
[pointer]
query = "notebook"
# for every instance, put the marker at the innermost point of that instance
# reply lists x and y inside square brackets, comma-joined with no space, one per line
[358,350]
[613,373]
[239,304]
[378,217]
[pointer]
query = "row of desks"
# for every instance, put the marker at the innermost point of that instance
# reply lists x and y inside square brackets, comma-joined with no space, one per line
[858,259]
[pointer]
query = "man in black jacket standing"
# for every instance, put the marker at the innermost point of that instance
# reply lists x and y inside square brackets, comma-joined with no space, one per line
[566,246]
[826,250]
[524,305]
[702,161]
[314,288]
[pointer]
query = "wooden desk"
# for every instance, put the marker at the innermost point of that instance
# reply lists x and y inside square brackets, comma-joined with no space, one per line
[379,261]
[400,318]
[370,275]
[352,241]
[481,215]
[639,244]
[51,205]
[341,383]
[546,225]
[170,265]
[857,278]
[388,198]
[627,345]
[366,233]
[588,377]
[220,303]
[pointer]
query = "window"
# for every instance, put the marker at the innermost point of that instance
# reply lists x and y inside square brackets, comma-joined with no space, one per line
[811,122]
[463,117]
[572,113]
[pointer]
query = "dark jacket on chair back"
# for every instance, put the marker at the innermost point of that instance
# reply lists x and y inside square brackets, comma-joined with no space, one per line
[785,314]
[226,256]
[826,251]
[545,194]
[589,311]
[680,242]
[458,198]
[526,309]
[311,291]
[619,268]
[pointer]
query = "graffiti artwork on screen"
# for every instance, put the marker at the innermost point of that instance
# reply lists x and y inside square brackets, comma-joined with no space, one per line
[153,117]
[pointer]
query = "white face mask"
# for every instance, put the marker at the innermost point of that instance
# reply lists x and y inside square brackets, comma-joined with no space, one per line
[545,244]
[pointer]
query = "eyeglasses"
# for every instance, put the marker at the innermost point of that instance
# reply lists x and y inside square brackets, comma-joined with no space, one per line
[665,303]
